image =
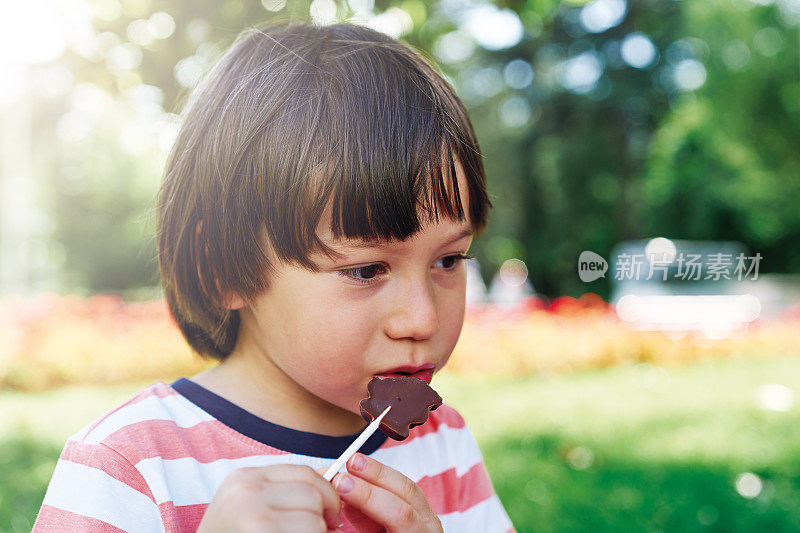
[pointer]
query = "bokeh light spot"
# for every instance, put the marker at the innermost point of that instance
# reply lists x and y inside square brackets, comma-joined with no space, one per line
[161,24]
[660,251]
[323,12]
[768,41]
[515,111]
[493,28]
[273,5]
[735,55]
[394,22]
[601,15]
[689,74]
[638,50]
[748,485]
[518,74]
[775,397]
[580,458]
[581,73]
[453,47]
[514,272]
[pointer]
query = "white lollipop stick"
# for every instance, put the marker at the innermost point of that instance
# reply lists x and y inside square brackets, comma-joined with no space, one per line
[353,448]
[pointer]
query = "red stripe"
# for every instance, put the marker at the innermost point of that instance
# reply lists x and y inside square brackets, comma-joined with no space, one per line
[206,442]
[101,457]
[448,493]
[54,519]
[159,389]
[444,415]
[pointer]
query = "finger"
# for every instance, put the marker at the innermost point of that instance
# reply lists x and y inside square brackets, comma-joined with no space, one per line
[382,506]
[305,474]
[388,478]
[334,521]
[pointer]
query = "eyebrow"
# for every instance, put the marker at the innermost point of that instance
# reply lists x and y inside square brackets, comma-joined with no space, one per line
[382,246]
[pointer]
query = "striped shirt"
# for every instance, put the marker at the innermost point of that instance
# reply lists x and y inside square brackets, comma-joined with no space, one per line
[155,462]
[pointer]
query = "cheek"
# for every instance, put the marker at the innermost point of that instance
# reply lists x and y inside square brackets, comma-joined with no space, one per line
[452,320]
[330,334]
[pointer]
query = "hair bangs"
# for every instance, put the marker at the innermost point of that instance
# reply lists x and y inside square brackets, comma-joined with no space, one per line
[390,167]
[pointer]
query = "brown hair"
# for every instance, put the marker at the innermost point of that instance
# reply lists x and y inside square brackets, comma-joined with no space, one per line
[293,117]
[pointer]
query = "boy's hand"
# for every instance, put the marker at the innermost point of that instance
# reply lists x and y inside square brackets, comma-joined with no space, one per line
[386,496]
[273,498]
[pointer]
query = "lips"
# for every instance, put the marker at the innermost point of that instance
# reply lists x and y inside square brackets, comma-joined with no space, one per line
[425,372]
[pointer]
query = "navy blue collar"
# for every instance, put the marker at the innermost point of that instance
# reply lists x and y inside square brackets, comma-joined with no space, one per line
[280,437]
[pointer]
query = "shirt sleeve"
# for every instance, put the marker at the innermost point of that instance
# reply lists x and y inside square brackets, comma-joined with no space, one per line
[487,515]
[480,509]
[94,488]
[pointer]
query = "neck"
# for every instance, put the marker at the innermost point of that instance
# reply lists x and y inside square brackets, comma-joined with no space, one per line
[250,379]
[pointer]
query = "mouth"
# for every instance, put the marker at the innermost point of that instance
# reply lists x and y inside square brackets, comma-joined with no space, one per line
[425,373]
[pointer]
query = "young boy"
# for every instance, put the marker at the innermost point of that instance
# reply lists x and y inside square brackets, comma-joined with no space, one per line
[312,225]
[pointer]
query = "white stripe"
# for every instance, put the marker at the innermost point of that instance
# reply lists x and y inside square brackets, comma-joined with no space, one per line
[186,481]
[489,516]
[437,452]
[79,436]
[90,492]
[173,407]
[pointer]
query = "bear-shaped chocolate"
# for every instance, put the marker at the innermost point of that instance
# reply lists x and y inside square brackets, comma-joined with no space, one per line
[411,400]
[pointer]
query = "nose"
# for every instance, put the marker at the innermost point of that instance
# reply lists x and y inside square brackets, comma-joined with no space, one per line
[414,312]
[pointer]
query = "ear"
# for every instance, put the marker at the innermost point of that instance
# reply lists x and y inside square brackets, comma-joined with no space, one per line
[232,300]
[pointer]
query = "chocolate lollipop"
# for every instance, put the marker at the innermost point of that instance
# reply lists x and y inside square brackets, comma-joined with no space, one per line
[410,399]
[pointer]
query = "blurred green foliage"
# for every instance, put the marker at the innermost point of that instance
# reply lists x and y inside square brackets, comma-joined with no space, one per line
[699,142]
[659,454]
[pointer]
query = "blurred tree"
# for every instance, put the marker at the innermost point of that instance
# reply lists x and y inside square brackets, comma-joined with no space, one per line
[600,121]
[724,163]
[566,134]
[138,62]
[641,118]
[587,151]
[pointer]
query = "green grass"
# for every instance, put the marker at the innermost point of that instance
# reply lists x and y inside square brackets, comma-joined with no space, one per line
[639,448]
[632,448]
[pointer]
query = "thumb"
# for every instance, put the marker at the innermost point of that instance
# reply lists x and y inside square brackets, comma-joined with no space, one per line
[321,471]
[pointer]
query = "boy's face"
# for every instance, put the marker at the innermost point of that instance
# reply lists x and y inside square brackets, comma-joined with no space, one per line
[323,336]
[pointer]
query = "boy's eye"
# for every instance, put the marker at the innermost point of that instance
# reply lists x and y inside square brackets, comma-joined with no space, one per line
[451,261]
[364,275]
[367,274]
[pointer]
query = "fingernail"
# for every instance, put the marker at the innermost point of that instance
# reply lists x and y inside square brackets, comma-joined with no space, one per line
[358,463]
[345,484]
